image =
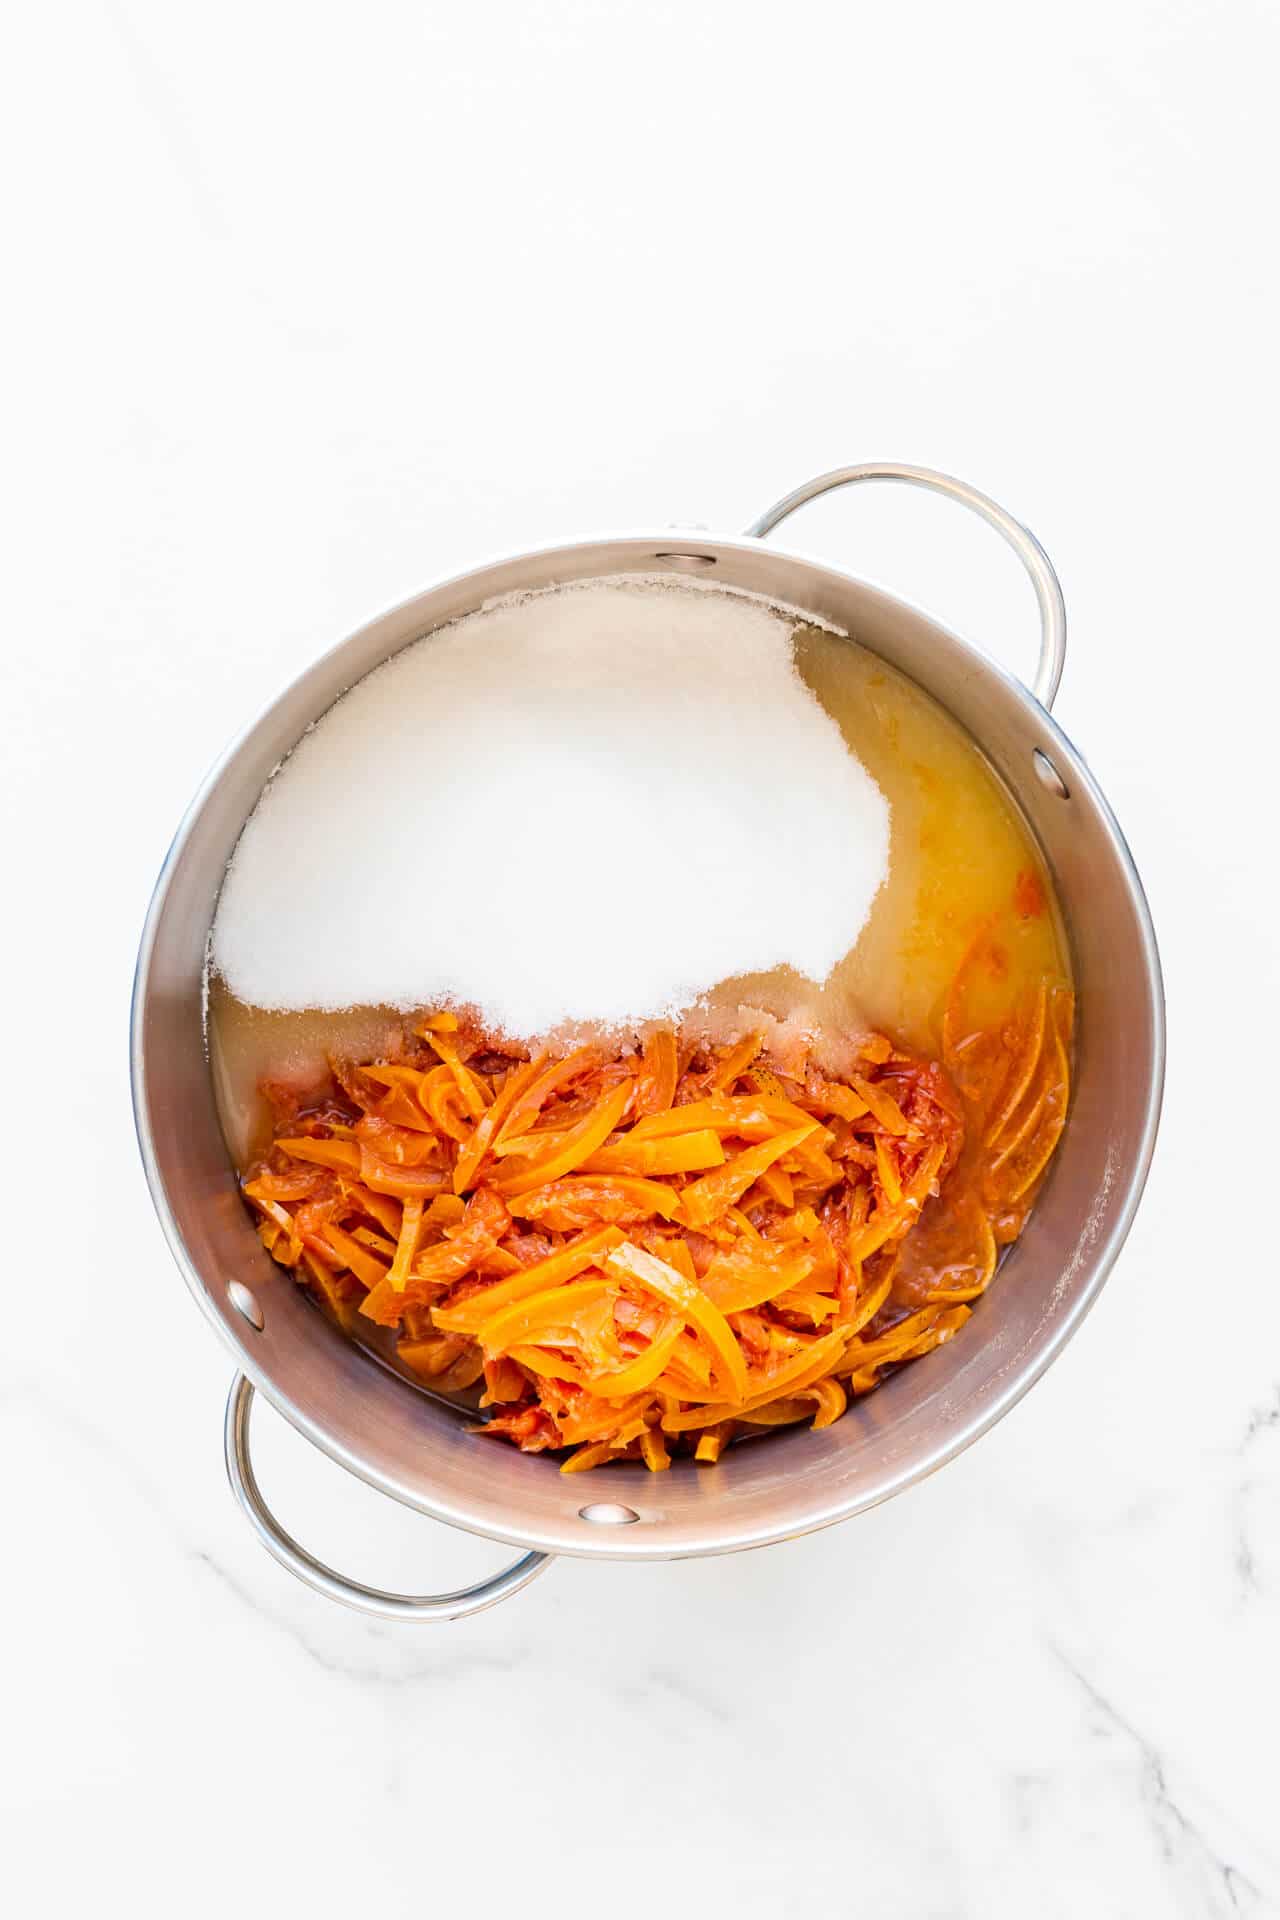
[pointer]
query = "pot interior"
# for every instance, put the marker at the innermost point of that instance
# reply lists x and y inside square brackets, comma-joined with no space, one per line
[417,1449]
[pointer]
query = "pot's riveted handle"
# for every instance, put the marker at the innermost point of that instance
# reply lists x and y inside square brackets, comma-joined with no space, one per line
[1053,611]
[336,1586]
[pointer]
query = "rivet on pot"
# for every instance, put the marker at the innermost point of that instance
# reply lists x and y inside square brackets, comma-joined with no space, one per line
[1048,776]
[245,1303]
[606,1514]
[687,562]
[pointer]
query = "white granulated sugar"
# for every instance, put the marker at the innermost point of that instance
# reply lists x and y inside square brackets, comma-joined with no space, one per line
[591,804]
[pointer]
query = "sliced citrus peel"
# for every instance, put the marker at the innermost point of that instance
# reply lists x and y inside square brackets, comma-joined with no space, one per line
[642,1255]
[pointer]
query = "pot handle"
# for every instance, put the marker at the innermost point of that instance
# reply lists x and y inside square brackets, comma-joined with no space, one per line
[336,1586]
[1053,611]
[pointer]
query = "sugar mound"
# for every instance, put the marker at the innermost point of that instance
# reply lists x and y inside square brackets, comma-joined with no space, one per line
[590,804]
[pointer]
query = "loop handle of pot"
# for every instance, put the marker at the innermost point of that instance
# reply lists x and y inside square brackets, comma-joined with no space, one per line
[1053,611]
[337,1586]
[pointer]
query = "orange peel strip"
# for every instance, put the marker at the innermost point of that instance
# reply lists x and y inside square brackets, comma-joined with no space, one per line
[468,1316]
[630,1262]
[473,1152]
[702,1202]
[572,1148]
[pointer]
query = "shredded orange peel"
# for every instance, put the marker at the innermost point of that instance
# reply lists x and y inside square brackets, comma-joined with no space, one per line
[666,1250]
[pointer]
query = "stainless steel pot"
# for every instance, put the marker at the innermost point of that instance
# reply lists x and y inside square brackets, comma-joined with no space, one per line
[416,1449]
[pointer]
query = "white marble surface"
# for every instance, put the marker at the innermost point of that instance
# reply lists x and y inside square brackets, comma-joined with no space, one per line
[308,305]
